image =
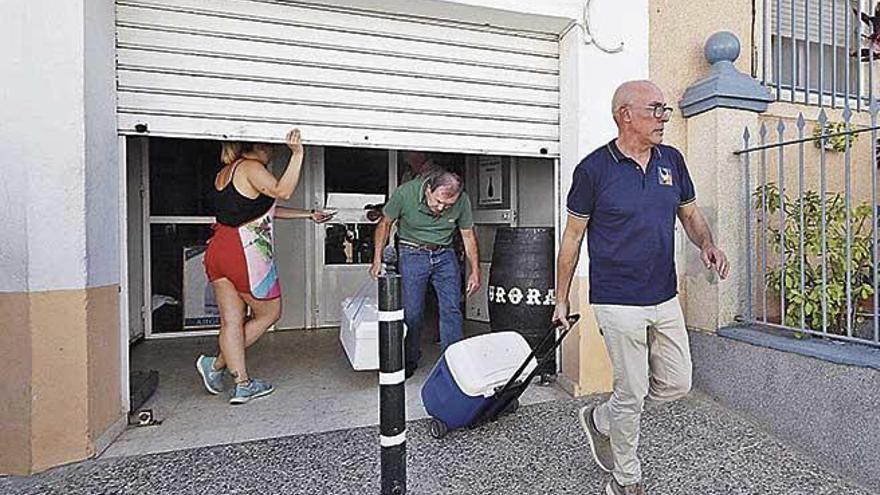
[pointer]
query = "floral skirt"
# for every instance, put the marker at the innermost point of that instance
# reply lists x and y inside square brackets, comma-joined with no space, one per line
[245,255]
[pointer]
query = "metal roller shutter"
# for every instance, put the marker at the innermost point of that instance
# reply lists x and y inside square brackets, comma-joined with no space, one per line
[249,69]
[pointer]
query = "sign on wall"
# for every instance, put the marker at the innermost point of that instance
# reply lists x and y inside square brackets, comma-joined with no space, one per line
[490,180]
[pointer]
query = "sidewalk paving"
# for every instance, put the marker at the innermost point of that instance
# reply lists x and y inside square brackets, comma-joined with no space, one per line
[690,447]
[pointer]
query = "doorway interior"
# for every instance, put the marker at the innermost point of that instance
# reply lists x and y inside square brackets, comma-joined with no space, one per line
[172,317]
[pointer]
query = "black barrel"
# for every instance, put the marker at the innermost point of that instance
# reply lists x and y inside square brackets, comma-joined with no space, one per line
[521,284]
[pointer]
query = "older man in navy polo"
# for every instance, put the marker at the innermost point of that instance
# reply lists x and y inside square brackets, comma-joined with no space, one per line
[625,197]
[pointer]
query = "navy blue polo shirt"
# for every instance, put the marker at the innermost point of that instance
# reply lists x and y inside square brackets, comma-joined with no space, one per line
[631,226]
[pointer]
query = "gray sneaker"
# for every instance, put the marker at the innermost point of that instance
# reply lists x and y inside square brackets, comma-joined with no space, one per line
[600,445]
[251,389]
[213,379]
[615,488]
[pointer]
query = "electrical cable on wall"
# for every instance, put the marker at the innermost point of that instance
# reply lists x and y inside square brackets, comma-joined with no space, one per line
[589,37]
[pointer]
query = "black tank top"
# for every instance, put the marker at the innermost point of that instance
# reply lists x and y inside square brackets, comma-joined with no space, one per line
[233,208]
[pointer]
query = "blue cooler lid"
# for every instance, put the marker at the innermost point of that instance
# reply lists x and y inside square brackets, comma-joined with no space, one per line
[483,363]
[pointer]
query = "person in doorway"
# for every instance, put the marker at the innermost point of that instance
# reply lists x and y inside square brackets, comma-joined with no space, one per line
[418,165]
[428,212]
[625,196]
[240,257]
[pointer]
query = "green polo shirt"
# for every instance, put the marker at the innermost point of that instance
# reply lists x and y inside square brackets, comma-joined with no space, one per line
[416,221]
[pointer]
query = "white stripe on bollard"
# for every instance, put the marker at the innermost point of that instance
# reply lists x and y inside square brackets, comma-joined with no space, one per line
[391,315]
[392,441]
[394,378]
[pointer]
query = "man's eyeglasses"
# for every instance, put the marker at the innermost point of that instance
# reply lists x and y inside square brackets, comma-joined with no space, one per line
[660,111]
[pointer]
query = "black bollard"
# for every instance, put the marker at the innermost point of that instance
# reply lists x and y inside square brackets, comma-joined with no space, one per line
[392,412]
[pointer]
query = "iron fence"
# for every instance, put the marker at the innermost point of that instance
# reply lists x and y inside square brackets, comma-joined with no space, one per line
[812,228]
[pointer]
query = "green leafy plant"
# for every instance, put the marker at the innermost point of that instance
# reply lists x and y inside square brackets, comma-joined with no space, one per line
[836,142]
[808,302]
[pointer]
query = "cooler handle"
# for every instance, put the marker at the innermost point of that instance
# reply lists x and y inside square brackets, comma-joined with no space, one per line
[572,320]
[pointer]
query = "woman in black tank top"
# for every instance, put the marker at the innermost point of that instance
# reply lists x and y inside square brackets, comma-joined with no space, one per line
[233,208]
[240,257]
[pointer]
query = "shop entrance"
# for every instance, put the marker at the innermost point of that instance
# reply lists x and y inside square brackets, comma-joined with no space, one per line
[170,214]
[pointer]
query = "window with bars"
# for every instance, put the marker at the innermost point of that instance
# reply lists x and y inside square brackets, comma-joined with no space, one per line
[817,44]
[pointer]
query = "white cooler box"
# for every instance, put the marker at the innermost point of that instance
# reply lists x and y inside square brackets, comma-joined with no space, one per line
[359,331]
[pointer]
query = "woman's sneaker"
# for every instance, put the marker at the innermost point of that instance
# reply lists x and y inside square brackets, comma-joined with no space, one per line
[213,379]
[251,389]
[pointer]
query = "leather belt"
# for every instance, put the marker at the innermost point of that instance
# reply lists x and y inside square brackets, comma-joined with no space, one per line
[425,247]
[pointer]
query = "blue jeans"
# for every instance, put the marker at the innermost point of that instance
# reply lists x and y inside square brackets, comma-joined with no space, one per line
[418,267]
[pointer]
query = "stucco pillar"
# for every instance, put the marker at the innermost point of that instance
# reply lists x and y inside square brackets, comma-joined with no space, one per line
[718,109]
[60,341]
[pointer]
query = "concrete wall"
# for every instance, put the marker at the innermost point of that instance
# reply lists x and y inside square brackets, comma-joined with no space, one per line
[59,274]
[59,172]
[678,32]
[106,406]
[59,410]
[101,181]
[15,341]
[830,411]
[719,178]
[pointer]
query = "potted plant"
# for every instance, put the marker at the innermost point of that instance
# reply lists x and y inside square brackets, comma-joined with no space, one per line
[807,303]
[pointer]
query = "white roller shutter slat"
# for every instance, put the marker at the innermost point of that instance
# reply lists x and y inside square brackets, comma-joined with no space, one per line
[213,127]
[248,69]
[311,37]
[337,19]
[327,115]
[339,59]
[263,89]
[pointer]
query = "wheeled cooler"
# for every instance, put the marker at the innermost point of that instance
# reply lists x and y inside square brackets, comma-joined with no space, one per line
[480,378]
